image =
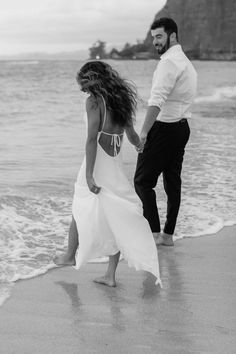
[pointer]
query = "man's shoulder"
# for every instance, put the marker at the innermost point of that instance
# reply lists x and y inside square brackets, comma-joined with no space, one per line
[178,60]
[168,62]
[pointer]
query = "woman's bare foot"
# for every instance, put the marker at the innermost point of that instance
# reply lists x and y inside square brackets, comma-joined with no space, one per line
[64,260]
[105,280]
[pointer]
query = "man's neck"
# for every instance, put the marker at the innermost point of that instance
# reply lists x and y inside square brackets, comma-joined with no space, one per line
[173,44]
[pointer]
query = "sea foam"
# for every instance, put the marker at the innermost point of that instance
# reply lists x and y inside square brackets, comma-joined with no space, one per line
[219,94]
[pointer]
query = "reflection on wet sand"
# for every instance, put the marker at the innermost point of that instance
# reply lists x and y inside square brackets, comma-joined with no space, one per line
[72,290]
[116,304]
[162,313]
[172,300]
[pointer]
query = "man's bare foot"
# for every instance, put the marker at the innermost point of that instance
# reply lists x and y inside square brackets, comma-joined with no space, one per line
[156,236]
[165,240]
[105,281]
[64,260]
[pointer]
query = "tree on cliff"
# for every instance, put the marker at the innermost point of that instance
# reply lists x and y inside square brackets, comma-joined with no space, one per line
[97,51]
[131,50]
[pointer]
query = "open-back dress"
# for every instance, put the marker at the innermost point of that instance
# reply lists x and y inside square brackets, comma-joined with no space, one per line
[112,220]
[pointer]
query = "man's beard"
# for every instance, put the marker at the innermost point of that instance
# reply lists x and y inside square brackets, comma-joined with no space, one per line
[163,49]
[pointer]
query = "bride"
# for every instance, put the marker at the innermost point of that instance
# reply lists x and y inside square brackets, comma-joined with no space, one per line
[107,216]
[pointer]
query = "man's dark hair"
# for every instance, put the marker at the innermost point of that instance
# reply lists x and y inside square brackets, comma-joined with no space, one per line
[168,24]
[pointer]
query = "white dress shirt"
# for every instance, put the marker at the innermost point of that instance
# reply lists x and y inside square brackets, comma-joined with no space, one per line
[174,86]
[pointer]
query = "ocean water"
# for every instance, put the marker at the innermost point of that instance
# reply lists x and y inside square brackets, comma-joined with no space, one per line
[42,145]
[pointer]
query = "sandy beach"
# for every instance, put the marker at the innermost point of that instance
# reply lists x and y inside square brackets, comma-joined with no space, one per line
[63,311]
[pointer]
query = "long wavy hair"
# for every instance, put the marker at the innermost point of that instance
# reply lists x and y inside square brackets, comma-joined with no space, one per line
[101,79]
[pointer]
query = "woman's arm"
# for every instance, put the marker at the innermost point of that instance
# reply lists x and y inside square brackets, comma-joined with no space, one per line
[93,115]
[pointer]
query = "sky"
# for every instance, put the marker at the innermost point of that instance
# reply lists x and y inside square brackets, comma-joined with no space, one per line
[70,25]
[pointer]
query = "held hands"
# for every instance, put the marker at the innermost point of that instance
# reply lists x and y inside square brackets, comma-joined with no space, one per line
[92,185]
[139,148]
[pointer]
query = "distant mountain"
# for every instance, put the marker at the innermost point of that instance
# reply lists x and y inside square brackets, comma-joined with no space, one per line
[76,55]
[207,28]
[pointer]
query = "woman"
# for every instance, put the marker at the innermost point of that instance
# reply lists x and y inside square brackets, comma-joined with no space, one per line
[107,214]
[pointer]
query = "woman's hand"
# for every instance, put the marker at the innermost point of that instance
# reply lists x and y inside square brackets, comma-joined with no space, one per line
[92,185]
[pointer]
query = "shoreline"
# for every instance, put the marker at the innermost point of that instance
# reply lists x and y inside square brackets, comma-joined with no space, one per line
[64,311]
[213,231]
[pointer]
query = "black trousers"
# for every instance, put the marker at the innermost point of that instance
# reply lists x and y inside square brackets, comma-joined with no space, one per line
[163,153]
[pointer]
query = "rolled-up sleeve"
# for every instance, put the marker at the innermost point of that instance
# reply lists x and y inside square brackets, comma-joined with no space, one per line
[163,82]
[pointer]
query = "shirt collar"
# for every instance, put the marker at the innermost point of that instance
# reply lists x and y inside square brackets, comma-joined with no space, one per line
[172,50]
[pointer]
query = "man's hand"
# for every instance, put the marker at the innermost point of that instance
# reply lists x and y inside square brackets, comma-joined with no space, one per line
[140,147]
[150,118]
[143,138]
[92,185]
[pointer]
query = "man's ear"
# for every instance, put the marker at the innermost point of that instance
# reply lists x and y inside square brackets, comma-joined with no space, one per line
[173,37]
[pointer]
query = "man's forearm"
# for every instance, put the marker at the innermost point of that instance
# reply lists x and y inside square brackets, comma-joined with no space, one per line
[151,116]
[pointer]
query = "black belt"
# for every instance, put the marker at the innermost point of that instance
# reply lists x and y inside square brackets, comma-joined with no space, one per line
[181,121]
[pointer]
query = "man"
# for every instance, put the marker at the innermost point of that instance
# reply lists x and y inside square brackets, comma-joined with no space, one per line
[165,131]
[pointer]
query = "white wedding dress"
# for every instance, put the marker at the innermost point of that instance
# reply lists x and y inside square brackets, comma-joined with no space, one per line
[112,220]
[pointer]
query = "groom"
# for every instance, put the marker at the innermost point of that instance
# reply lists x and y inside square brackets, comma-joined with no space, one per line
[165,130]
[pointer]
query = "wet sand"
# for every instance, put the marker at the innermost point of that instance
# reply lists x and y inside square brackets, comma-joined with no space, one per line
[63,311]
